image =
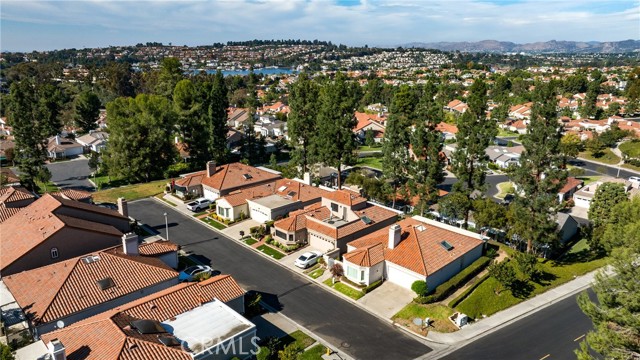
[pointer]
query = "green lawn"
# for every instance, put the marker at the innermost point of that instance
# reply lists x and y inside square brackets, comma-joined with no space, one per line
[439,315]
[271,252]
[578,261]
[631,148]
[130,192]
[503,132]
[632,167]
[250,241]
[49,187]
[215,224]
[505,188]
[607,157]
[589,179]
[316,273]
[345,289]
[315,353]
[372,162]
[301,338]
[369,148]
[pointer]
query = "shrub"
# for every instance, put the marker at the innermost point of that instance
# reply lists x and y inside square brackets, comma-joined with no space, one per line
[450,286]
[420,287]
[372,286]
[268,225]
[264,353]
[202,276]
[269,240]
[337,271]
[493,166]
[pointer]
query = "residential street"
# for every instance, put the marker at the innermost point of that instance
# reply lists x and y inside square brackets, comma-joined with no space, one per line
[71,174]
[552,333]
[349,328]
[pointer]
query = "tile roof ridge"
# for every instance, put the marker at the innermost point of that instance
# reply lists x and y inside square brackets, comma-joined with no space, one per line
[420,250]
[143,260]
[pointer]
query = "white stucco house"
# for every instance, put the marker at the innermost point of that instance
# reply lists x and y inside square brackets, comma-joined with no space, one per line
[410,250]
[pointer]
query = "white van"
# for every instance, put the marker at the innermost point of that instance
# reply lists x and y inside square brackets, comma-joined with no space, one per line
[635,180]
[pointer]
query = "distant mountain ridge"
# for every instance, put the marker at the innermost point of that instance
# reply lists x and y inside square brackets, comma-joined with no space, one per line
[552,46]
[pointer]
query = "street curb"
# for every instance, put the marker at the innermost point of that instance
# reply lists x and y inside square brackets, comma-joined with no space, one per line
[609,165]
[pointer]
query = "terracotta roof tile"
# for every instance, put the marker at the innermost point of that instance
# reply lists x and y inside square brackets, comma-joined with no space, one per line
[64,288]
[235,175]
[12,194]
[107,336]
[420,250]
[73,194]
[571,184]
[367,256]
[345,197]
[157,248]
[35,223]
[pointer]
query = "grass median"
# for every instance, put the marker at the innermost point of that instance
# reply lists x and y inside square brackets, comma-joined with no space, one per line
[345,289]
[130,192]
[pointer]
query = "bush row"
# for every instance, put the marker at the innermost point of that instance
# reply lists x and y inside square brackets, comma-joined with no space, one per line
[271,241]
[450,286]
[372,286]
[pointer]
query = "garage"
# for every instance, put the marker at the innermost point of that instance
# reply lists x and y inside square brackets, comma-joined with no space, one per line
[320,243]
[401,276]
[259,213]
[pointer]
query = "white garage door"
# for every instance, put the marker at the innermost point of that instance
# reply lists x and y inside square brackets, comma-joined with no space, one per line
[319,244]
[400,277]
[258,215]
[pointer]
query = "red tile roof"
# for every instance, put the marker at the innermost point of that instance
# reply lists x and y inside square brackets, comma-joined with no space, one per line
[34,224]
[571,184]
[157,248]
[291,189]
[345,197]
[420,250]
[14,193]
[64,288]
[108,336]
[229,176]
[375,213]
[448,128]
[367,256]
[73,194]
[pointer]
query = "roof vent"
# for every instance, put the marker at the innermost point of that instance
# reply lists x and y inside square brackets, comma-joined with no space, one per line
[247,176]
[446,245]
[106,283]
[90,259]
[292,193]
[282,188]
[146,326]
[420,228]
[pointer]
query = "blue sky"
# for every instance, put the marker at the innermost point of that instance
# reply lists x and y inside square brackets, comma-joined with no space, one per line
[44,25]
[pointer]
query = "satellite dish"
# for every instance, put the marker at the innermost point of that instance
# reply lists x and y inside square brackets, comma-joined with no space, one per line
[60,324]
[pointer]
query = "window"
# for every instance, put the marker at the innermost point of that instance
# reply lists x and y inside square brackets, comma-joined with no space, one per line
[54,253]
[362,275]
[352,272]
[281,235]
[334,207]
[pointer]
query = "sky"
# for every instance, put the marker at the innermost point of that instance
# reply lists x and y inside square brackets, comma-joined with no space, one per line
[57,24]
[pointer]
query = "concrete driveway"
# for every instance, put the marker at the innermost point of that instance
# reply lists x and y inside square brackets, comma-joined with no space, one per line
[387,299]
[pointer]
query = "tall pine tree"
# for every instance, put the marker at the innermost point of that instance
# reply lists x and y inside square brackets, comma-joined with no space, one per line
[303,102]
[335,139]
[538,175]
[475,134]
[217,119]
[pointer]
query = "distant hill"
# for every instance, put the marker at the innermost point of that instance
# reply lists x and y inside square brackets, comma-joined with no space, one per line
[552,46]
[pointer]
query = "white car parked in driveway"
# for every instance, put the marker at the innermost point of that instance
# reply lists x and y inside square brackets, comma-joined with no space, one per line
[307,259]
[198,204]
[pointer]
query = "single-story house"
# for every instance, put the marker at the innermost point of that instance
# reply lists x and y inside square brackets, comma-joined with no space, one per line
[584,196]
[570,187]
[61,147]
[411,250]
[218,181]
[567,226]
[94,141]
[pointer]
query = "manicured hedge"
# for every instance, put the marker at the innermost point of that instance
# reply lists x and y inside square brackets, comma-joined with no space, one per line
[450,286]
[372,286]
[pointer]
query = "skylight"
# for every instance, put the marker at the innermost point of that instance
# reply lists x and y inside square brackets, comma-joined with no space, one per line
[366,220]
[446,245]
[90,259]
[169,341]
[282,188]
[247,176]
[291,193]
[106,283]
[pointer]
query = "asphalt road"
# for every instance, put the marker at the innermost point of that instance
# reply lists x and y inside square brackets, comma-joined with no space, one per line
[349,328]
[491,180]
[71,174]
[591,167]
[552,333]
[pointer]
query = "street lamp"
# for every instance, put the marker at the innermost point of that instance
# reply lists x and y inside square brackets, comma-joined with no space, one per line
[166,224]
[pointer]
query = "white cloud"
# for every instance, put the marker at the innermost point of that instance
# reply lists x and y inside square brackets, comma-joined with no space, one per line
[381,22]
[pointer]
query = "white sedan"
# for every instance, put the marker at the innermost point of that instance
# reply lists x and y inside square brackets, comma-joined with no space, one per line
[190,273]
[307,259]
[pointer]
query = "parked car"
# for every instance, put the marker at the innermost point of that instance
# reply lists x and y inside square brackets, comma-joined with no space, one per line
[635,179]
[190,273]
[199,204]
[307,259]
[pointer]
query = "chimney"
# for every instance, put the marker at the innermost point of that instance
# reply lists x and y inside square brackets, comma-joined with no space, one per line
[57,139]
[130,243]
[123,208]
[306,178]
[394,236]
[211,168]
[56,350]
